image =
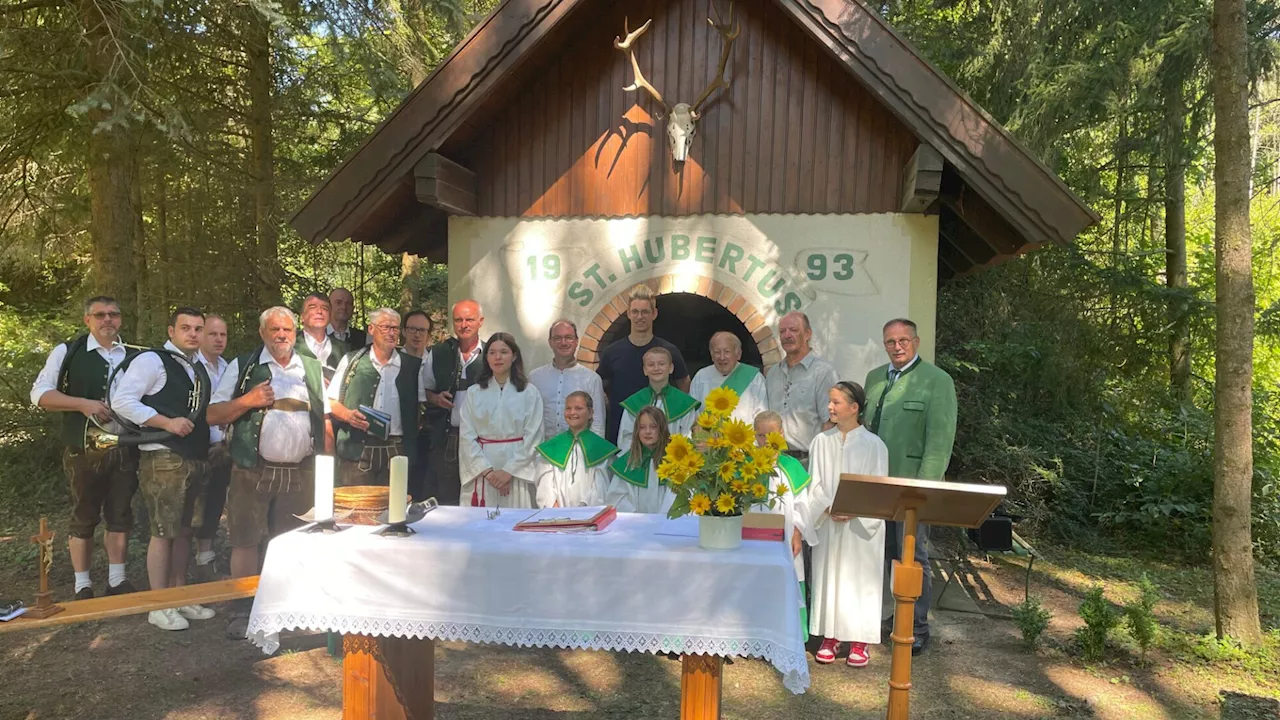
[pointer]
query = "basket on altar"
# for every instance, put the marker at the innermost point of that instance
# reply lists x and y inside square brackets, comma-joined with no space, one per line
[365,503]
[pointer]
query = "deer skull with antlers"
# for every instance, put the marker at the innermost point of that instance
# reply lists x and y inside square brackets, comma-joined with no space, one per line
[682,118]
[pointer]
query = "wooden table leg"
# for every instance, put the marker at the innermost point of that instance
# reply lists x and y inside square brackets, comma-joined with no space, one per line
[388,678]
[700,687]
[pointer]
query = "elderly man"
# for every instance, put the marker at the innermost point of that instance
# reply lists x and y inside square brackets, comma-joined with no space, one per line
[451,367]
[798,386]
[911,405]
[74,383]
[622,361]
[314,340]
[728,370]
[564,376]
[212,345]
[156,391]
[384,379]
[275,400]
[343,304]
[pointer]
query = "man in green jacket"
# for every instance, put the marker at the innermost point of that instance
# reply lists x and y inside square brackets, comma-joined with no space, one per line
[911,405]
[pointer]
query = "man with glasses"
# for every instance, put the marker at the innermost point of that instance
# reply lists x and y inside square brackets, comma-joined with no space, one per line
[451,367]
[911,405]
[797,387]
[562,377]
[416,331]
[415,328]
[74,383]
[383,378]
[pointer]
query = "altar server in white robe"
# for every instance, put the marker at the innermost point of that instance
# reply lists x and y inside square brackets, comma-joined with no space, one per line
[848,551]
[573,466]
[728,370]
[678,407]
[635,486]
[792,504]
[500,426]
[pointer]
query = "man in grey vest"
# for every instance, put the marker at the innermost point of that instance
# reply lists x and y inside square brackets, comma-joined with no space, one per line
[451,367]
[74,383]
[274,399]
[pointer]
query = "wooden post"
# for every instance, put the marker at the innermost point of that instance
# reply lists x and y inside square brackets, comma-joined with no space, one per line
[700,687]
[908,580]
[388,678]
[45,607]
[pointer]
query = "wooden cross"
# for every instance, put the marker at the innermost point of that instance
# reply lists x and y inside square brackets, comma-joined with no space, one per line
[45,607]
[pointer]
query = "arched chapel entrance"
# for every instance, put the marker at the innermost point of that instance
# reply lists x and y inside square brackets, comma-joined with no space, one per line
[690,311]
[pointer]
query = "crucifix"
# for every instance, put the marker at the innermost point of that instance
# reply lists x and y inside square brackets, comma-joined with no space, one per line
[45,607]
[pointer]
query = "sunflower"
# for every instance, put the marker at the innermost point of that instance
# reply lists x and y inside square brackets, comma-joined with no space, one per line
[749,470]
[700,504]
[721,401]
[764,459]
[707,420]
[679,448]
[738,434]
[776,441]
[725,503]
[759,490]
[693,463]
[737,455]
[679,476]
[738,485]
[717,442]
[668,469]
[727,470]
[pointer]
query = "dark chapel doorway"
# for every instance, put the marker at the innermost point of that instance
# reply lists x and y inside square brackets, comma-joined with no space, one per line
[688,321]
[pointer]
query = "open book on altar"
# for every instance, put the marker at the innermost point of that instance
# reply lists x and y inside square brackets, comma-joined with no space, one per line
[577,519]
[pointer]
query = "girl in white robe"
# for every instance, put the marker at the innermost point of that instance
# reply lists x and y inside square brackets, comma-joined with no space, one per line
[635,486]
[500,426]
[793,504]
[573,467]
[848,552]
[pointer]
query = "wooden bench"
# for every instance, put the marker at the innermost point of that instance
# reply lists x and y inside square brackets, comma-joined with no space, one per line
[136,603]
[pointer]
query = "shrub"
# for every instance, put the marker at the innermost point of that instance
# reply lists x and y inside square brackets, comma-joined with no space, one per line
[1032,619]
[1140,617]
[1100,618]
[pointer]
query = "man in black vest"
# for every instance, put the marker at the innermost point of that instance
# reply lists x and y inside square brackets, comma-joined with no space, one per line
[385,380]
[74,383]
[274,398]
[157,390]
[314,340]
[343,305]
[451,367]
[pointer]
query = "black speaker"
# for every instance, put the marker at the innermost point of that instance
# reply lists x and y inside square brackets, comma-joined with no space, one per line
[994,535]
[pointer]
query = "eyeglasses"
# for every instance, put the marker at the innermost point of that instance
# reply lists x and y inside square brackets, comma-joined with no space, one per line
[563,338]
[114,315]
[387,328]
[416,330]
[896,343]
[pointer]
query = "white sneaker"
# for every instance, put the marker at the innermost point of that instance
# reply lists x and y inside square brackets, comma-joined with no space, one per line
[196,612]
[167,619]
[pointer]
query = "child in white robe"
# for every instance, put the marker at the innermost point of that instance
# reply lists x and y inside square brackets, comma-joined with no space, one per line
[792,504]
[679,408]
[848,551]
[573,467]
[635,486]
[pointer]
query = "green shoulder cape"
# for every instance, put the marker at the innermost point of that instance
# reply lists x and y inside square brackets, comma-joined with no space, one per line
[677,403]
[595,449]
[638,475]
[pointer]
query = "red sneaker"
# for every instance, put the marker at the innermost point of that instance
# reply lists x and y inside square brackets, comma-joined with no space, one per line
[827,653]
[859,656]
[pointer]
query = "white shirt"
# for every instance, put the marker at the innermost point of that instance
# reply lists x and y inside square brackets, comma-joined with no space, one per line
[320,349]
[556,385]
[216,368]
[387,397]
[286,434]
[428,379]
[144,376]
[895,373]
[48,378]
[799,395]
[753,401]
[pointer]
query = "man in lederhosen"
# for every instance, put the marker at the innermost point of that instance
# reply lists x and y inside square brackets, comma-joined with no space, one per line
[451,367]
[212,345]
[74,383]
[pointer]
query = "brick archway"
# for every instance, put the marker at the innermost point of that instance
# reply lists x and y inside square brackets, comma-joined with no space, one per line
[756,322]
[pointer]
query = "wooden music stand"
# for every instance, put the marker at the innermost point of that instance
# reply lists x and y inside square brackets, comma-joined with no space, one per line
[910,502]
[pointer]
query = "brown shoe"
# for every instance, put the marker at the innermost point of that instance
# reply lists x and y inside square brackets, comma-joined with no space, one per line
[206,573]
[85,594]
[238,628]
[121,589]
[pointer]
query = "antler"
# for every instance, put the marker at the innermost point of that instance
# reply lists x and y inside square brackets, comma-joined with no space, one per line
[625,46]
[729,32]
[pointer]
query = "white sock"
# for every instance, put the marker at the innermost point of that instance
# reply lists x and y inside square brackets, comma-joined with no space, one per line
[204,557]
[116,574]
[83,581]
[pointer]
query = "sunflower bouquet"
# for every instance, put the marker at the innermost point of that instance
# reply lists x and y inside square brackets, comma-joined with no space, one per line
[720,472]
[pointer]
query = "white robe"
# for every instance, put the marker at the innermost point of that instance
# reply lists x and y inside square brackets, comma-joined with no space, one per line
[655,498]
[793,510]
[500,413]
[576,485]
[848,557]
[753,401]
[627,426]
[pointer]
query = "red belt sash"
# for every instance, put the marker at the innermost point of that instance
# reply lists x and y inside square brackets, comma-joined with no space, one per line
[478,490]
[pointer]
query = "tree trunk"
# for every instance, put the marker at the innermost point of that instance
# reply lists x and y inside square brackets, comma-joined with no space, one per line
[1235,592]
[1175,237]
[261,132]
[1118,243]
[409,265]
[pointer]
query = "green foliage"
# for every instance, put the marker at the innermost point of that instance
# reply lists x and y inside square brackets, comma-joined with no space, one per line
[1032,619]
[1100,619]
[1140,617]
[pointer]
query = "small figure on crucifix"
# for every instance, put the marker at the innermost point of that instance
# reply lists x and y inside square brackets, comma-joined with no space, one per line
[45,607]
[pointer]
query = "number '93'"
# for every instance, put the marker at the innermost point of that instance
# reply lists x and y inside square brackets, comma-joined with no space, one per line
[840,265]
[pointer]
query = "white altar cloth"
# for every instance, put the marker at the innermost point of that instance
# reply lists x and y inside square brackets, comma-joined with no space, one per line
[629,589]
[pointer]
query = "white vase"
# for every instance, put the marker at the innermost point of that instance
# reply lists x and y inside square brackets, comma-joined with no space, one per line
[719,533]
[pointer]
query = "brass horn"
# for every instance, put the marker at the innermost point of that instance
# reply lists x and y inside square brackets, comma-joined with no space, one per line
[100,438]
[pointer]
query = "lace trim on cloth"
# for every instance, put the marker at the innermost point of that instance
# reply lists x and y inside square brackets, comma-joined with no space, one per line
[794,666]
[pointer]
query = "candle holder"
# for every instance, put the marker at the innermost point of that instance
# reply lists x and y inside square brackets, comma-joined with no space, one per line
[400,529]
[328,527]
[413,513]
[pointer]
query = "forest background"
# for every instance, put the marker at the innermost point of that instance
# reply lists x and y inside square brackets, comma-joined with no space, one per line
[154,149]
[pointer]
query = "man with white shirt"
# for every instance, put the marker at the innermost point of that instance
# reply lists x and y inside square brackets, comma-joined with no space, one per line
[798,386]
[728,370]
[382,378]
[156,390]
[212,345]
[564,376]
[275,400]
[343,305]
[314,340]
[451,367]
[74,383]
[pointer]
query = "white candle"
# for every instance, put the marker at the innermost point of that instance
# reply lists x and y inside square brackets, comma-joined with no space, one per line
[399,489]
[324,488]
